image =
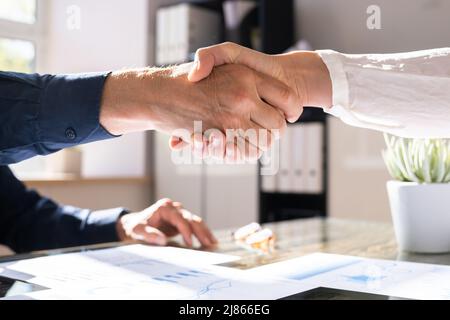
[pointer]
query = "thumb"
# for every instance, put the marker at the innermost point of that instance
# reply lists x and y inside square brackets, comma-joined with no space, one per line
[208,58]
[154,236]
[203,65]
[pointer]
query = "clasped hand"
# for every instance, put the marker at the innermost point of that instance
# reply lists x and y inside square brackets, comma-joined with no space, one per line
[304,73]
[229,88]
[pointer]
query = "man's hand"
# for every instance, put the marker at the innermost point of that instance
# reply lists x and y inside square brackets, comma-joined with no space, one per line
[303,71]
[162,220]
[232,97]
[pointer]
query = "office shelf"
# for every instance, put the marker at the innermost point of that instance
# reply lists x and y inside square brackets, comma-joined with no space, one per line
[278,206]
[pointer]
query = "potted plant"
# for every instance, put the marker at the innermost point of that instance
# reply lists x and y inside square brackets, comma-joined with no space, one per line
[420,195]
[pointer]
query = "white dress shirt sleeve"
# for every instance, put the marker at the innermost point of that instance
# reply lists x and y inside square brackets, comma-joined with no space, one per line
[405,94]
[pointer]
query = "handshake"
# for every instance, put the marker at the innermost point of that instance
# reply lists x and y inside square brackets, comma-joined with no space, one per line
[241,97]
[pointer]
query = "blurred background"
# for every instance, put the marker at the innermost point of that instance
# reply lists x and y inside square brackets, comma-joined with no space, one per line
[326,168]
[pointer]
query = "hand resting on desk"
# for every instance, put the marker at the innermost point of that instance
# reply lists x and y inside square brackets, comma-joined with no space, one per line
[164,219]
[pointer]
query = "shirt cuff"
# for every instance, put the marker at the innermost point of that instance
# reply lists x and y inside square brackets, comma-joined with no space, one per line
[100,226]
[339,82]
[69,112]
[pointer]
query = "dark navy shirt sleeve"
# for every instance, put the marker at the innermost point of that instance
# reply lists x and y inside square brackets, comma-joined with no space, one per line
[31,222]
[41,114]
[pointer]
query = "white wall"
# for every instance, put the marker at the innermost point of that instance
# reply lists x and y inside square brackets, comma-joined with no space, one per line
[113,34]
[406,25]
[357,174]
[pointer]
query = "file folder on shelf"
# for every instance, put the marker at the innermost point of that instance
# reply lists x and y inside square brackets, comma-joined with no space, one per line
[299,151]
[314,157]
[182,29]
[284,176]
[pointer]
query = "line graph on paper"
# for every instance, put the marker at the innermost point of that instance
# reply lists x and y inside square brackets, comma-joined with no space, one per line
[393,278]
[204,284]
[171,284]
[139,272]
[385,277]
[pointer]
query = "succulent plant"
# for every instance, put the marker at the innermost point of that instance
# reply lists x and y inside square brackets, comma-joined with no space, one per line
[418,160]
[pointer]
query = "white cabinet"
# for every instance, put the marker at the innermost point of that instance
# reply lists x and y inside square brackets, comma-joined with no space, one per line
[224,195]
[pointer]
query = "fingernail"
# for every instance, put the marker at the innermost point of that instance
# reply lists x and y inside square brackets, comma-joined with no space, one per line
[160,241]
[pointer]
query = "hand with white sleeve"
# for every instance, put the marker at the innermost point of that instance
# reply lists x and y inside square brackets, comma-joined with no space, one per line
[405,94]
[303,71]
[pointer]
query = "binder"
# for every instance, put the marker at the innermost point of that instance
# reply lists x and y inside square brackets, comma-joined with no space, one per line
[182,33]
[314,157]
[182,29]
[172,34]
[160,36]
[299,151]
[284,176]
[204,28]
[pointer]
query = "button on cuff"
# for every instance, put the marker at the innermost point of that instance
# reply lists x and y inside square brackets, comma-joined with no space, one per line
[71,133]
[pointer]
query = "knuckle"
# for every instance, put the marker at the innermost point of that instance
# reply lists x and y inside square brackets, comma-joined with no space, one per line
[200,52]
[287,96]
[242,97]
[229,45]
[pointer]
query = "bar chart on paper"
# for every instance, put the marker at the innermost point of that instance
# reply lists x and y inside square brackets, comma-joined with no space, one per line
[142,272]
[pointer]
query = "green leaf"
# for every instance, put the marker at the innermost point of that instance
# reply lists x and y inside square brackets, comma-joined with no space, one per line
[418,160]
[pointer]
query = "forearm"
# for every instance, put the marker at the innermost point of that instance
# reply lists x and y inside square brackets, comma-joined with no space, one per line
[47,225]
[41,114]
[154,99]
[47,113]
[30,222]
[407,94]
[122,109]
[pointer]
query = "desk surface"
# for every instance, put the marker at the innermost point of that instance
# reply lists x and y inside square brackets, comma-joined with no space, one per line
[348,237]
[300,237]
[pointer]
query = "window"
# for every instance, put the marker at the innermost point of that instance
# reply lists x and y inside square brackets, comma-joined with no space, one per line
[23,11]
[16,55]
[19,35]
[20,42]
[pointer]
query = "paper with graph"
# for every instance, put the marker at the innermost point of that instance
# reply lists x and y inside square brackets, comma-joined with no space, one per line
[384,277]
[143,272]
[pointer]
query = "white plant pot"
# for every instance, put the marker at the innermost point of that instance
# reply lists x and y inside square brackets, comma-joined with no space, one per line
[421,216]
